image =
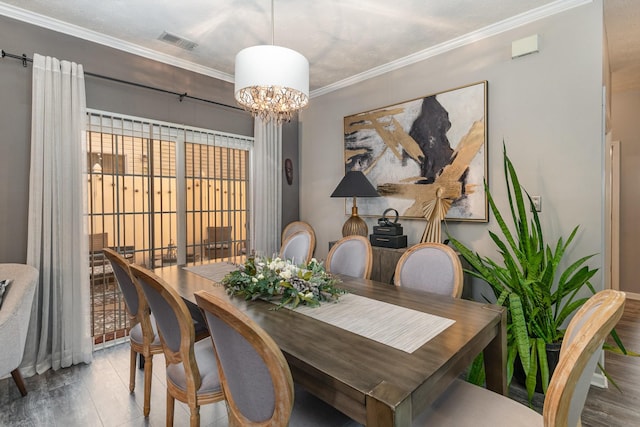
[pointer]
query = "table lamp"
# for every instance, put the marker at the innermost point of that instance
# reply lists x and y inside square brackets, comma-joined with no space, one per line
[355,184]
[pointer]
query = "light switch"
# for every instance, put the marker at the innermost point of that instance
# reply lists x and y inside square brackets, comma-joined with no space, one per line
[537,203]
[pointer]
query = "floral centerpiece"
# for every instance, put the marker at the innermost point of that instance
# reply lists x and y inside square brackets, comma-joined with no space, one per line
[282,280]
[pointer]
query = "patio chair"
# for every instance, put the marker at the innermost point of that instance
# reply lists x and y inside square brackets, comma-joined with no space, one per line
[218,242]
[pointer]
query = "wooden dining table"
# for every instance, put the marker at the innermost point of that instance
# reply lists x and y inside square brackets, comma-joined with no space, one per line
[373,383]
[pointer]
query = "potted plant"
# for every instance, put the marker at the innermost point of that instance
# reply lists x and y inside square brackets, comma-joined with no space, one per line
[539,294]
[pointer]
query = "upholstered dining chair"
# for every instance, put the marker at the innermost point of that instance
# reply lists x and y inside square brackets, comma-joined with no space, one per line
[255,375]
[431,267]
[351,256]
[191,371]
[298,247]
[16,301]
[464,404]
[143,336]
[294,227]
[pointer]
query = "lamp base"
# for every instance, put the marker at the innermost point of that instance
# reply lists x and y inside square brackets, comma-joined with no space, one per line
[355,226]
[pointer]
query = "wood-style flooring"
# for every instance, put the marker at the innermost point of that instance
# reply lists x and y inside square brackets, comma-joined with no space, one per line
[98,394]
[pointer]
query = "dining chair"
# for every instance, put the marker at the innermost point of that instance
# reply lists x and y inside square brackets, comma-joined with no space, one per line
[255,376]
[431,267]
[294,227]
[298,247]
[351,256]
[191,371]
[143,336]
[465,404]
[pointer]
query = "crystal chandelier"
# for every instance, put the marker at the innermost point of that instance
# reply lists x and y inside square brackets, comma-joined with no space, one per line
[271,82]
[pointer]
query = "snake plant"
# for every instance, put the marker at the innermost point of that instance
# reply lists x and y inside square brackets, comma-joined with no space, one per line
[530,281]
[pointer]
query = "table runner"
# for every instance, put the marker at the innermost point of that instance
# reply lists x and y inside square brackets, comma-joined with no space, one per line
[214,271]
[398,327]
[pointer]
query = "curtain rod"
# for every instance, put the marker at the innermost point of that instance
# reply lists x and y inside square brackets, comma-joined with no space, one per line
[181,96]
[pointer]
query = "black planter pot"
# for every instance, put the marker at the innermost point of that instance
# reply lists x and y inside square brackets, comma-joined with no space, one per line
[553,357]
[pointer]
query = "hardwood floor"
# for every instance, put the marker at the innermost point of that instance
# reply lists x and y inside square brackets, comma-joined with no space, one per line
[98,394]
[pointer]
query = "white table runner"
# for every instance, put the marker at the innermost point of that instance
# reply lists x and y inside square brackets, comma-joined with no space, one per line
[398,327]
[214,271]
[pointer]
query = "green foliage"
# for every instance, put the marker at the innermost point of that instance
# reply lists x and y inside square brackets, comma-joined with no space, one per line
[280,279]
[529,281]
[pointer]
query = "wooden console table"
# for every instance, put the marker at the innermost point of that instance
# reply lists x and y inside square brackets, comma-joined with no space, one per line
[384,263]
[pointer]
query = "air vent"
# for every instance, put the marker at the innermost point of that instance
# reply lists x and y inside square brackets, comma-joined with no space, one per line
[177,41]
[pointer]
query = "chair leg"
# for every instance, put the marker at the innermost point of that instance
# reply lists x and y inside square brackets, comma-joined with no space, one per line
[170,404]
[17,378]
[148,372]
[195,416]
[132,371]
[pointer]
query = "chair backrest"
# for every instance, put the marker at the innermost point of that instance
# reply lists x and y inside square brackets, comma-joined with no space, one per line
[219,235]
[298,247]
[254,374]
[352,256]
[173,320]
[135,301]
[431,267]
[585,335]
[98,241]
[294,227]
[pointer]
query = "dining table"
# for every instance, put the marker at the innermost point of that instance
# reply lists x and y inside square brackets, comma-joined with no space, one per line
[373,382]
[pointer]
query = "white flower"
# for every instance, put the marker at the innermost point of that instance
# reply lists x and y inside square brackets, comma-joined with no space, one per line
[260,276]
[285,274]
[254,280]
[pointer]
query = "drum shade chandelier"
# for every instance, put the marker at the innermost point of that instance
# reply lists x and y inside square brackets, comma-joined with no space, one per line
[271,82]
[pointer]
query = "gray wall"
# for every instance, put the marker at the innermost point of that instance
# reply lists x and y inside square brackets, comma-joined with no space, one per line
[626,129]
[546,107]
[15,111]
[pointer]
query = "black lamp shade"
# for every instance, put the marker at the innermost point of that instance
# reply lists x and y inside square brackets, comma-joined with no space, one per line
[355,184]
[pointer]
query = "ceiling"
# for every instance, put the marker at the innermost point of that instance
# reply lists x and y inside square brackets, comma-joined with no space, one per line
[344,40]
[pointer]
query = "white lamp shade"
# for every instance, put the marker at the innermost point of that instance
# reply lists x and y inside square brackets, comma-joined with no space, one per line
[269,65]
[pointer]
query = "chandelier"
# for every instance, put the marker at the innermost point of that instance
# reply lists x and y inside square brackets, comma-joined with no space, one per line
[271,82]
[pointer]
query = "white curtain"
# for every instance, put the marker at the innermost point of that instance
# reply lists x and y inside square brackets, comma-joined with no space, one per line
[267,194]
[59,331]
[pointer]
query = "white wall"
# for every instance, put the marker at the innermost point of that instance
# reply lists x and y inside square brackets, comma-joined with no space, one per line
[626,129]
[545,106]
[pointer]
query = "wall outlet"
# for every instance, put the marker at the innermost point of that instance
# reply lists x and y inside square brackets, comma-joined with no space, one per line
[537,203]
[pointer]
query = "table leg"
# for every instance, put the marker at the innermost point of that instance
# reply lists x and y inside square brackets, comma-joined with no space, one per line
[495,356]
[388,406]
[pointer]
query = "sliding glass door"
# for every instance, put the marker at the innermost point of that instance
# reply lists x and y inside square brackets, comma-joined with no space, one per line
[160,194]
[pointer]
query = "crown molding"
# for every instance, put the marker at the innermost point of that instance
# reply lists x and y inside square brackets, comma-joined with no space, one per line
[499,27]
[92,36]
[542,12]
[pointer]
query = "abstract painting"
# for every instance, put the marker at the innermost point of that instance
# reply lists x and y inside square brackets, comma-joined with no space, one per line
[419,150]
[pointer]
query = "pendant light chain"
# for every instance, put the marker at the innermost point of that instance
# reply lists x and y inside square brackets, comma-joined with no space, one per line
[273,25]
